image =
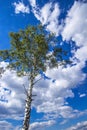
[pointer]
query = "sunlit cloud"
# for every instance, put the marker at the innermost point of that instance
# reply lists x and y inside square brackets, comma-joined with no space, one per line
[20,7]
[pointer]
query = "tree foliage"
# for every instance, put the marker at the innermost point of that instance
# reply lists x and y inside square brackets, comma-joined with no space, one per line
[30,50]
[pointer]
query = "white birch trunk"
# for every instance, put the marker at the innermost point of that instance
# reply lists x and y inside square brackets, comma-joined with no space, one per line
[26,122]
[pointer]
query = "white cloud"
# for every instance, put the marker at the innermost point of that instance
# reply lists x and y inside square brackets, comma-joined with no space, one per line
[76,23]
[33,3]
[76,29]
[82,95]
[3,64]
[48,15]
[53,94]
[21,8]
[12,95]
[4,125]
[41,125]
[79,126]
[45,13]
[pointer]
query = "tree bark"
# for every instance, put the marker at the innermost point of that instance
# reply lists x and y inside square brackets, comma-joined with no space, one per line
[26,122]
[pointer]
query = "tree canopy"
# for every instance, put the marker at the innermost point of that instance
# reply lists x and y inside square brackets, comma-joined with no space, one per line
[30,50]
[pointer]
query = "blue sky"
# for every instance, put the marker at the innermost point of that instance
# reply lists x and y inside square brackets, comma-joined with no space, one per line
[59,105]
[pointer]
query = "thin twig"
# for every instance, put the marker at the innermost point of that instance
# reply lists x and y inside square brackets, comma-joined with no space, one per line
[25,89]
[37,80]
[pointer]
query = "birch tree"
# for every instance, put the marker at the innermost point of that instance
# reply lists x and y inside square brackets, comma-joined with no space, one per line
[29,54]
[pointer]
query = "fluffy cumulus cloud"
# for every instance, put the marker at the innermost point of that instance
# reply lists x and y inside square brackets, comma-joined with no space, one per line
[76,23]
[48,15]
[76,29]
[4,125]
[12,95]
[20,7]
[41,125]
[79,126]
[53,94]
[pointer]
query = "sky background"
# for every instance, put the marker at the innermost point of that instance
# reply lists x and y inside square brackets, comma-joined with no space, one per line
[59,105]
